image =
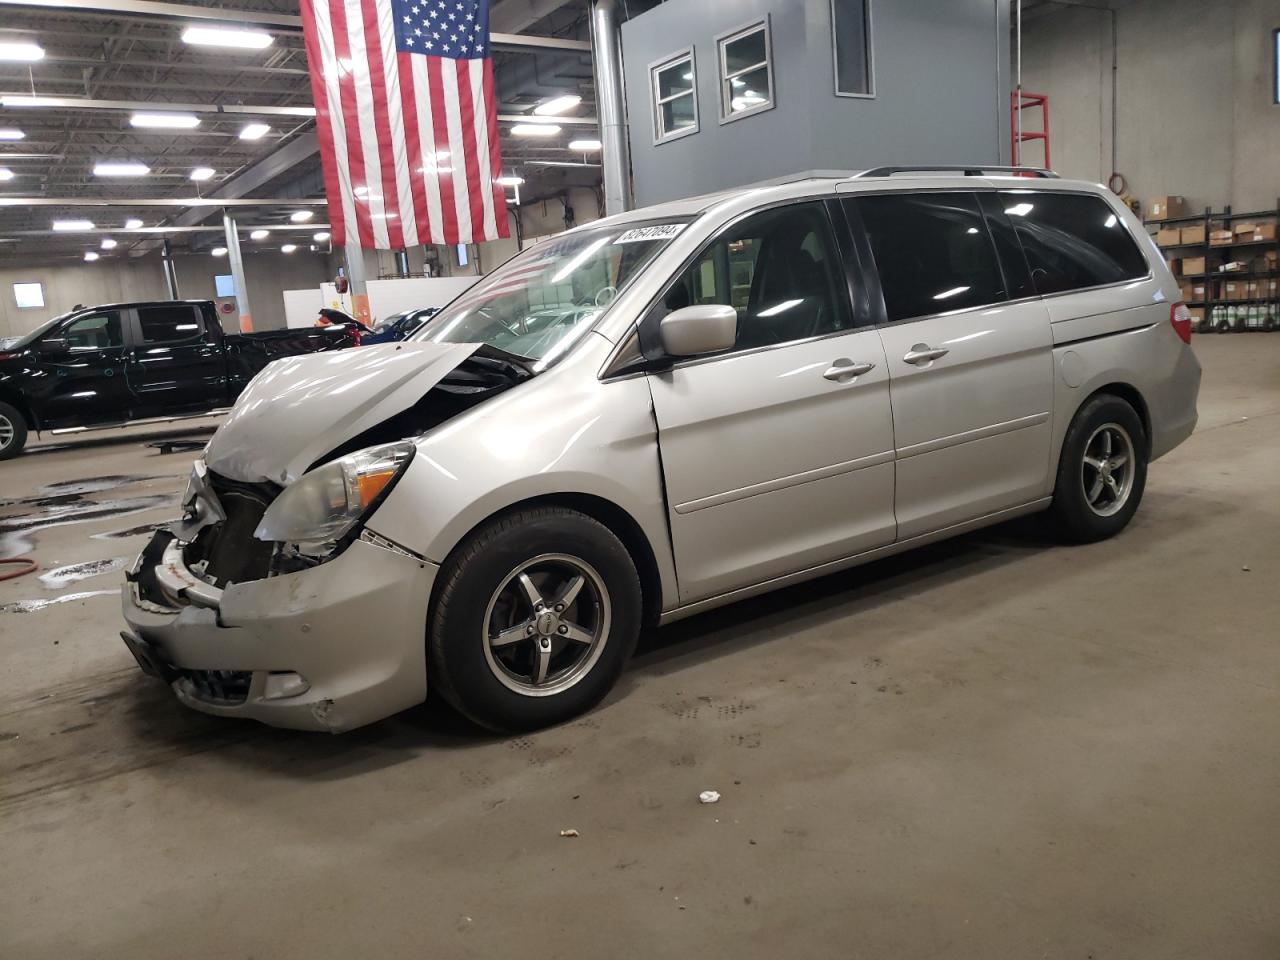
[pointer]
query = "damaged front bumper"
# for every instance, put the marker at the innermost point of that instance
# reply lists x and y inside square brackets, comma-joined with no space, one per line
[331,647]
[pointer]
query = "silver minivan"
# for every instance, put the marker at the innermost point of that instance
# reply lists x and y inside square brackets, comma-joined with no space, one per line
[656,414]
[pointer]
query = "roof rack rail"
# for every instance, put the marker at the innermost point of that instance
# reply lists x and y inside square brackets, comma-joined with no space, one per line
[967,170]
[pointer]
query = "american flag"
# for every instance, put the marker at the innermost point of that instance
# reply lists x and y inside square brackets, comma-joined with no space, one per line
[407,119]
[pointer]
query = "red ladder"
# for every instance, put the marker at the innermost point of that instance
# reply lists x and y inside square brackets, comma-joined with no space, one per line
[1022,101]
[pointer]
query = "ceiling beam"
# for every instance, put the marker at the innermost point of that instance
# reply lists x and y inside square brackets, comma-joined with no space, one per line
[18,101]
[211,228]
[10,201]
[281,22]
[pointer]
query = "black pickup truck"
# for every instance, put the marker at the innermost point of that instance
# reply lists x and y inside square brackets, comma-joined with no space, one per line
[126,362]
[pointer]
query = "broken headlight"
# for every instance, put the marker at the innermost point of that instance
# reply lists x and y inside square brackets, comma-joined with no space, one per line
[326,503]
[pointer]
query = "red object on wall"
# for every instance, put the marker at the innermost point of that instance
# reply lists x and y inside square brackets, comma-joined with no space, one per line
[1033,101]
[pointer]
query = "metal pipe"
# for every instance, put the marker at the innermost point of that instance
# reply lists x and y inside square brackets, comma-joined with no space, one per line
[237,271]
[402,264]
[170,272]
[606,57]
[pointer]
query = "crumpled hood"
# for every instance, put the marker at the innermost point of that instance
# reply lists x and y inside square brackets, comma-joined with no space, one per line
[299,408]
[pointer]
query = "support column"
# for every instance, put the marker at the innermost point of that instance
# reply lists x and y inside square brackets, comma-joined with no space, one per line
[237,271]
[170,272]
[356,278]
[606,61]
[402,264]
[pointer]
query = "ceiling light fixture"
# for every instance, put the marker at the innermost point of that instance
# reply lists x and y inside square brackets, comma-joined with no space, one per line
[21,52]
[6,173]
[535,130]
[259,234]
[202,173]
[512,181]
[11,133]
[585,146]
[302,216]
[108,243]
[133,223]
[90,256]
[254,131]
[164,121]
[72,226]
[120,169]
[227,37]
[320,237]
[557,105]
[289,248]
[219,251]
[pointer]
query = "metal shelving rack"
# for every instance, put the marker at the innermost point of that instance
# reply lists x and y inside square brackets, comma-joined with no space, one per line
[1271,316]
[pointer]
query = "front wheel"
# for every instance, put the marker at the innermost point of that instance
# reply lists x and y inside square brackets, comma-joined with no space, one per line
[13,432]
[1102,472]
[537,614]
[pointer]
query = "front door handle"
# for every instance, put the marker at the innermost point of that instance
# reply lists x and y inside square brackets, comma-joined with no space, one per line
[922,354]
[843,370]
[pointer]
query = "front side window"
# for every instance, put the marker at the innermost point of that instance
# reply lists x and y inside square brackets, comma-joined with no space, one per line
[933,253]
[675,100]
[851,46]
[542,301]
[746,71]
[1072,240]
[169,324]
[99,331]
[779,270]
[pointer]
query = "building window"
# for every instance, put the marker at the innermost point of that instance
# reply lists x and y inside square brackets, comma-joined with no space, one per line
[746,72]
[675,98]
[851,47]
[28,296]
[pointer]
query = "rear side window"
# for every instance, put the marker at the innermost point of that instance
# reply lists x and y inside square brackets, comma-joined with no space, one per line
[1072,240]
[933,253]
[169,324]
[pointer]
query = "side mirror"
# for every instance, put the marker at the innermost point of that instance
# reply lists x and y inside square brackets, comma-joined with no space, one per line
[53,347]
[700,329]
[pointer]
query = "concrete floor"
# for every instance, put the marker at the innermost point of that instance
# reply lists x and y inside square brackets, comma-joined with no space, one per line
[995,747]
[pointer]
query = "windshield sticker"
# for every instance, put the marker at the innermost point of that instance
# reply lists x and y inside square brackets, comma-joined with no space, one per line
[663,231]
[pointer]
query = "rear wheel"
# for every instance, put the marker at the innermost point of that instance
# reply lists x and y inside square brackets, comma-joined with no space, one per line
[13,432]
[1102,472]
[537,614]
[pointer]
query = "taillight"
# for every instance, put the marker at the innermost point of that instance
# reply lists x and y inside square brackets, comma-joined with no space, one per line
[1180,317]
[9,356]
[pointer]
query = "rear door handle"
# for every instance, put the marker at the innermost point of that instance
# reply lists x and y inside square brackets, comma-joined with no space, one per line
[843,370]
[922,354]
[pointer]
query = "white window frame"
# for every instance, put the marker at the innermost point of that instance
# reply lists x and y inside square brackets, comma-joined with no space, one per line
[38,284]
[726,79]
[677,59]
[871,57]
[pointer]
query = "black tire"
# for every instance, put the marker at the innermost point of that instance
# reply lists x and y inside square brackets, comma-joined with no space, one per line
[461,665]
[1075,519]
[13,432]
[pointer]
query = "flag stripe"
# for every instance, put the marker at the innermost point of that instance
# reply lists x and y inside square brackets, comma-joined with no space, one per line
[365,121]
[413,141]
[353,159]
[448,209]
[320,95]
[502,227]
[427,137]
[379,91]
[453,120]
[467,130]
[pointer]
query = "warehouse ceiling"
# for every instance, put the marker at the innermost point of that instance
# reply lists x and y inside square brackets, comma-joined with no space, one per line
[141,62]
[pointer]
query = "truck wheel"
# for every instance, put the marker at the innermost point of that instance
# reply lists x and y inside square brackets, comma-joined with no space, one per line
[1101,473]
[537,614]
[13,432]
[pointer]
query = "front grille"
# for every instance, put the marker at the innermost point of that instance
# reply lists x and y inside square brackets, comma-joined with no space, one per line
[229,550]
[221,687]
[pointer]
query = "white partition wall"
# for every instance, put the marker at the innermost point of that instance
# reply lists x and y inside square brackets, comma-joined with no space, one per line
[394,296]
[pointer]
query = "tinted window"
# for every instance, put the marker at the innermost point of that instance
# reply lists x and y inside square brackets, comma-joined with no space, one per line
[1017,278]
[1072,240]
[932,252]
[778,270]
[169,324]
[96,332]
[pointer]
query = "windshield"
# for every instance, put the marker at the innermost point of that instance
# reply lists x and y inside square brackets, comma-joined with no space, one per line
[540,302]
[29,338]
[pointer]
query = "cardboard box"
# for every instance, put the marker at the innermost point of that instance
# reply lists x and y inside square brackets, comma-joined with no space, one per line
[1242,229]
[1198,291]
[1166,208]
[1234,266]
[1264,231]
[1271,260]
[1191,266]
[1197,315]
[1231,290]
[1221,238]
[1185,292]
[1252,289]
[1169,236]
[1191,234]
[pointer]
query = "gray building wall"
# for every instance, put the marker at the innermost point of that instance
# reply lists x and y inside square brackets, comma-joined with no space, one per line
[941,82]
[121,279]
[1194,97]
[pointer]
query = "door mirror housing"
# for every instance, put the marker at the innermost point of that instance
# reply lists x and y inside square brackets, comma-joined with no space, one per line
[53,347]
[700,329]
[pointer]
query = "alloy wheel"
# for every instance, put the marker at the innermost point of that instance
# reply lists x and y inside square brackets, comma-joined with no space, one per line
[1107,470]
[546,624]
[6,431]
